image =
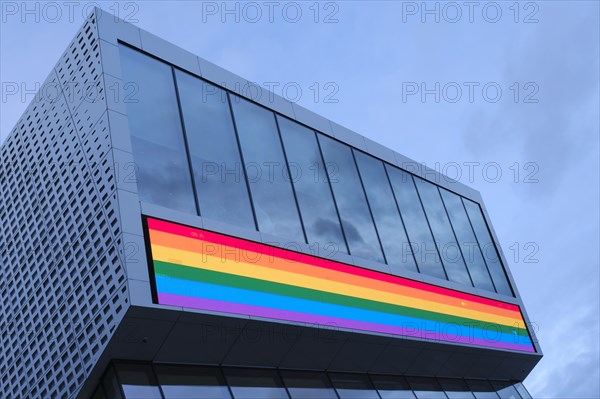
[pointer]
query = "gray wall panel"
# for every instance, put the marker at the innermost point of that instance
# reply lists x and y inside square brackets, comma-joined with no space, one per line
[61,237]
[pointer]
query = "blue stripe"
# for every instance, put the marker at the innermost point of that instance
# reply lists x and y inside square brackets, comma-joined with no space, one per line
[171,285]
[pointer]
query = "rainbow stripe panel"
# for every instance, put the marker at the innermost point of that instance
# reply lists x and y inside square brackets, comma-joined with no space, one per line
[199,269]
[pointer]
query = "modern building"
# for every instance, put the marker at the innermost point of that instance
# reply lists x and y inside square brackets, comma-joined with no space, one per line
[170,230]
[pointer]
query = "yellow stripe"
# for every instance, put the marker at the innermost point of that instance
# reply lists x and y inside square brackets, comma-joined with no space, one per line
[245,269]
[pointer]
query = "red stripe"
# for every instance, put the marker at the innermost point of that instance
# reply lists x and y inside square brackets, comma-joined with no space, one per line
[238,243]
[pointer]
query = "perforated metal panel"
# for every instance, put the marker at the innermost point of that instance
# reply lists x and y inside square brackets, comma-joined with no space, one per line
[62,281]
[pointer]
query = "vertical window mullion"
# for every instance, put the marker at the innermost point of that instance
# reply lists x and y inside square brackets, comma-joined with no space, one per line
[333,386]
[429,225]
[401,217]
[155,376]
[243,166]
[479,246]
[368,205]
[456,237]
[337,210]
[287,168]
[226,382]
[287,391]
[185,142]
[371,381]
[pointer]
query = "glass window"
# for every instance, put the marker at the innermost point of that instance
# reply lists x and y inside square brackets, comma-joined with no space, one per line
[137,381]
[522,391]
[455,388]
[111,385]
[315,199]
[353,386]
[350,198]
[415,221]
[266,170]
[392,387]
[490,254]
[255,384]
[308,385]
[442,232]
[218,172]
[190,382]
[505,390]
[385,212]
[426,388]
[99,393]
[482,389]
[162,169]
[466,238]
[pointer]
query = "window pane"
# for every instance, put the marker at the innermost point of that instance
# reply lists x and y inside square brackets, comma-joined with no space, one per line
[419,234]
[272,195]
[482,389]
[350,197]
[522,391]
[137,381]
[488,248]
[319,215]
[455,388]
[442,232]
[506,391]
[308,385]
[466,238]
[392,387]
[162,168]
[99,393]
[426,388]
[385,212]
[189,382]
[111,385]
[353,386]
[255,384]
[218,173]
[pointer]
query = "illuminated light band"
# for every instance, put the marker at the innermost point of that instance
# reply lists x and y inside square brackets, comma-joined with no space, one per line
[199,269]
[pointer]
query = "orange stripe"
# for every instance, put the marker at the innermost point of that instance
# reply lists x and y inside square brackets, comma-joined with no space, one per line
[217,238]
[236,255]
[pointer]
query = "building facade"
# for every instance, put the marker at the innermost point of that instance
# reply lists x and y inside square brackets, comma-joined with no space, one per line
[171,230]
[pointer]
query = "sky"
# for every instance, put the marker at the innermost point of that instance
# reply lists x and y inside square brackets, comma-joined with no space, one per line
[503,96]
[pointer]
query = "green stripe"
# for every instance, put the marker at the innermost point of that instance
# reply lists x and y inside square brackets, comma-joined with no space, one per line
[253,284]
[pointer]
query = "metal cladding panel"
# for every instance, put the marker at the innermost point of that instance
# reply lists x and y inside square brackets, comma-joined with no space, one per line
[200,269]
[62,278]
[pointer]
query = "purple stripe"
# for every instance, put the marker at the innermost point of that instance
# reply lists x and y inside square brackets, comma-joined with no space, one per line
[326,321]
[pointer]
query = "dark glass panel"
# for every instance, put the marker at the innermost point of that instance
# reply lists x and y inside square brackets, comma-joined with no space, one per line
[416,224]
[466,238]
[137,381]
[442,232]
[218,170]
[385,212]
[350,197]
[353,386]
[191,382]
[255,384]
[455,388]
[162,169]
[99,393]
[308,385]
[392,387]
[482,389]
[111,385]
[426,388]
[490,254]
[266,170]
[315,199]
